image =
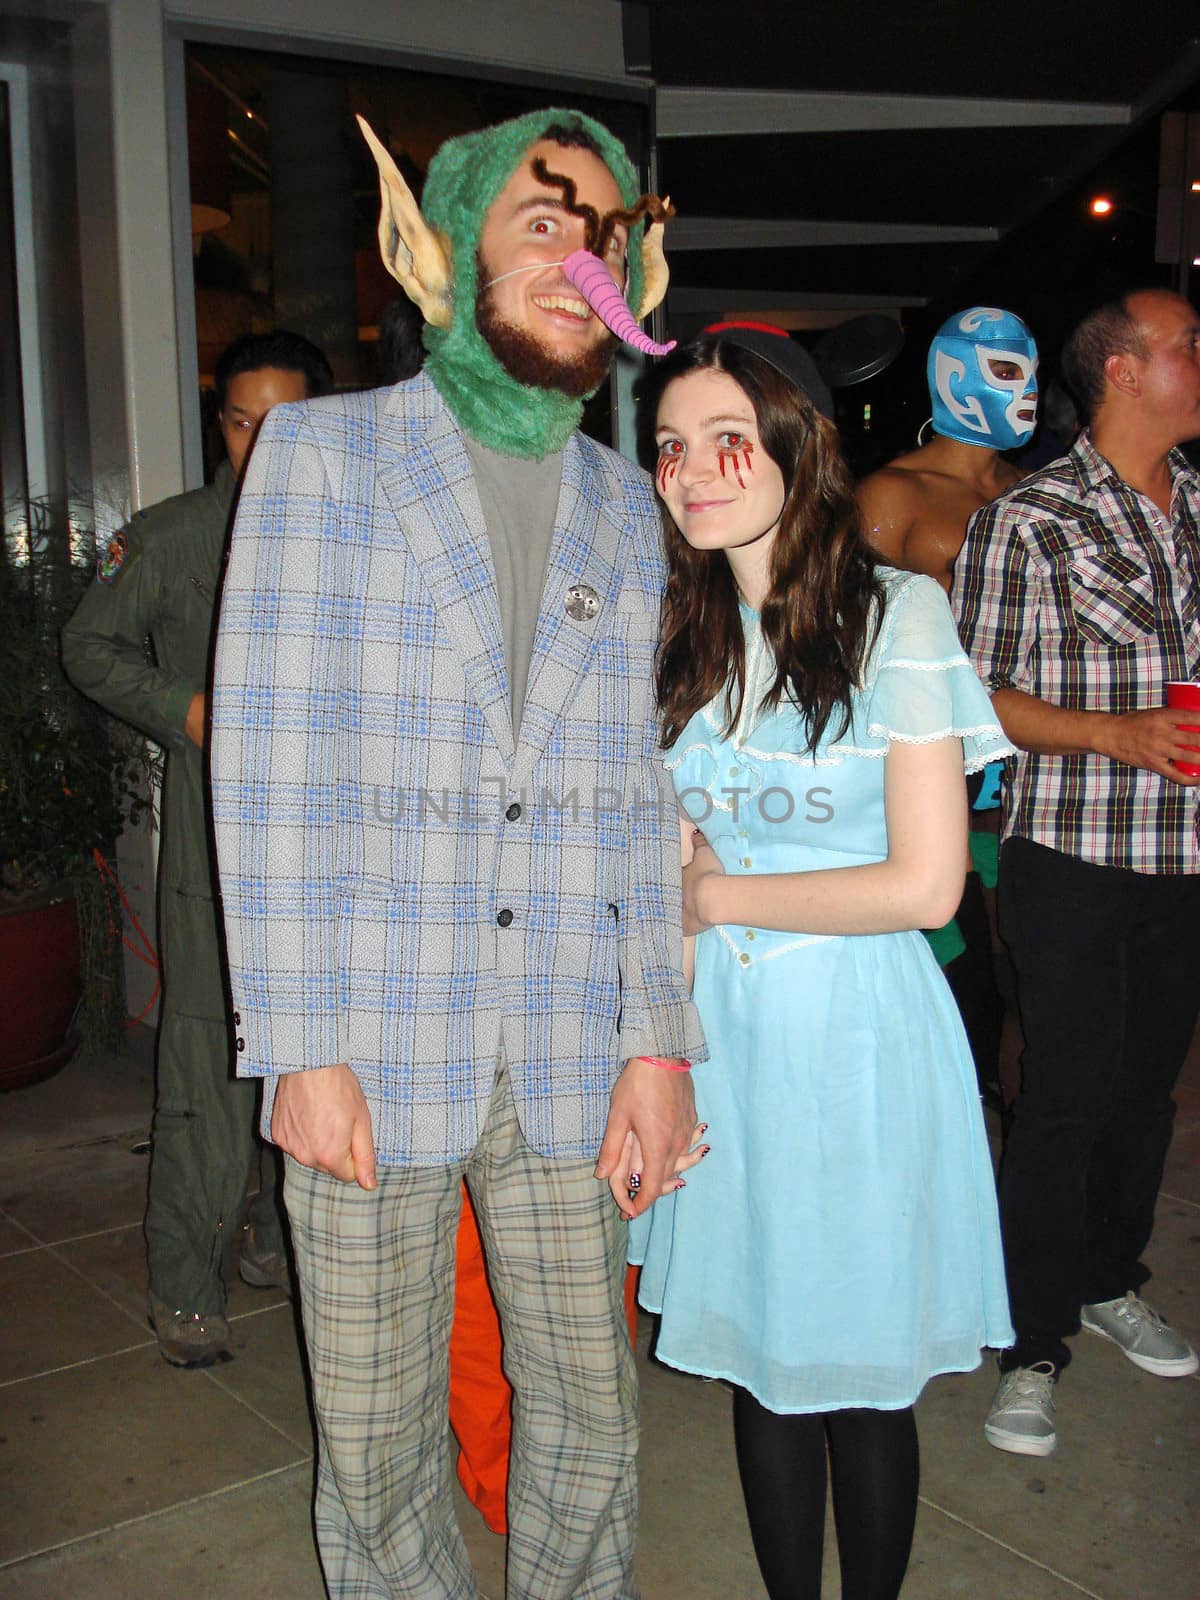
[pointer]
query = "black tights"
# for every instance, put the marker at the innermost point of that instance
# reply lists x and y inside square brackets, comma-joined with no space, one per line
[875,1467]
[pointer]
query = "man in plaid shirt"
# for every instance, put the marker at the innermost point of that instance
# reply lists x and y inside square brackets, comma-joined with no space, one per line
[1078,599]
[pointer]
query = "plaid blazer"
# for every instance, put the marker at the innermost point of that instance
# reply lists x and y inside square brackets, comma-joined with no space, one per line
[399,878]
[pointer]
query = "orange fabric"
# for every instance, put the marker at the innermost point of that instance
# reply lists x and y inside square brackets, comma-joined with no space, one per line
[480,1396]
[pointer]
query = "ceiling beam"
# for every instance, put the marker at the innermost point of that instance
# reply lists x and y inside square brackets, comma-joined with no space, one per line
[686,113]
[788,233]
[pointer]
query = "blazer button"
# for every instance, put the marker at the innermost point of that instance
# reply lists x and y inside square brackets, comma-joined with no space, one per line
[504,918]
[241,1044]
[513,812]
[237,1019]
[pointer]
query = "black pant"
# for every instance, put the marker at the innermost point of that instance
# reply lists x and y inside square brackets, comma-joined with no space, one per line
[1107,964]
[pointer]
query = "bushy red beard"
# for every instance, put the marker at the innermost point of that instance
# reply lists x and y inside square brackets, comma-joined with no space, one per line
[524,359]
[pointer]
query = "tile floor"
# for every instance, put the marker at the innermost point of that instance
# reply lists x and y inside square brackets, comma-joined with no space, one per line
[122,1477]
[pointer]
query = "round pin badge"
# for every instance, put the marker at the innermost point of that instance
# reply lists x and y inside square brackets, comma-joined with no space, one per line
[582,602]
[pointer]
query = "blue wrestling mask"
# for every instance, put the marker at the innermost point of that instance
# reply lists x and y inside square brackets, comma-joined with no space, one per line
[982,373]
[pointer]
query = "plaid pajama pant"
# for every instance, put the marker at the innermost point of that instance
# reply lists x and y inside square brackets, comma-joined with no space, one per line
[377,1285]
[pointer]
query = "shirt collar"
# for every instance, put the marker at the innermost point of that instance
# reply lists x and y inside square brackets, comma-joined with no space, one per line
[1095,471]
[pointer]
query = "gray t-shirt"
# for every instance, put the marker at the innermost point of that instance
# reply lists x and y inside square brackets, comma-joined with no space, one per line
[519,499]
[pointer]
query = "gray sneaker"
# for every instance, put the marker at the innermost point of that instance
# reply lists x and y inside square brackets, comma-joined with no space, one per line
[1022,1416]
[1139,1331]
[262,1269]
[188,1339]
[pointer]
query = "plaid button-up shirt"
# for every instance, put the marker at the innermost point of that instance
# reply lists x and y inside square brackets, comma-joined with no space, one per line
[1075,588]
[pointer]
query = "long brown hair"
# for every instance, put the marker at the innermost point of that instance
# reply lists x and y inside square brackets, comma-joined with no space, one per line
[825,603]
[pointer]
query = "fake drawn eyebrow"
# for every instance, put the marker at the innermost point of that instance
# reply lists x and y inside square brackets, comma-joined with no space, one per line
[599,231]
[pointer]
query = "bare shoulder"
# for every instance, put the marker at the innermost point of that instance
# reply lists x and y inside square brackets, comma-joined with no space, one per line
[888,495]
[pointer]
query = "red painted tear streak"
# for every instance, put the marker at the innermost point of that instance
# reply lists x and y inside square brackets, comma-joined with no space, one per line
[668,466]
[732,456]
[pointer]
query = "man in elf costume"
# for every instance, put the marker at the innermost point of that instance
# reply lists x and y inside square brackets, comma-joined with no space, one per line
[449,864]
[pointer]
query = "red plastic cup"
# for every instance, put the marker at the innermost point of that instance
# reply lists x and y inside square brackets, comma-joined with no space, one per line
[1186,696]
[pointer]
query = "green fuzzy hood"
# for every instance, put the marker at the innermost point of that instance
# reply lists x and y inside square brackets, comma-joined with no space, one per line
[464,177]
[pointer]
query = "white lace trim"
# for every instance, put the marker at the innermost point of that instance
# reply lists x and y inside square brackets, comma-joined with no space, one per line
[754,959]
[997,748]
[946,664]
[879,730]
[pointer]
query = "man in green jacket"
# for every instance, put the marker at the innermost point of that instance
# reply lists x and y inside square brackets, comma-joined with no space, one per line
[158,580]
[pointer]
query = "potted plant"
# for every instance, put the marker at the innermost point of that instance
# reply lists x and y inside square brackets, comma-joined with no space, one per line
[71,777]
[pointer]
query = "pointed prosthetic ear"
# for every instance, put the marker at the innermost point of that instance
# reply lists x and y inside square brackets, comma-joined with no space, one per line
[418,258]
[655,272]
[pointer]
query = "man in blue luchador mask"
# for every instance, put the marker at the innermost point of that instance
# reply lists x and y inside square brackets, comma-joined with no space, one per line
[982,375]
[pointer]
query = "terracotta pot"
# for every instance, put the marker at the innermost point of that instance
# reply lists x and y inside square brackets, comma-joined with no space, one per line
[39,987]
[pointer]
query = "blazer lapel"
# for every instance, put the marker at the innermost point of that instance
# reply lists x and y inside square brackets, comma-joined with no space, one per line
[426,474]
[587,553]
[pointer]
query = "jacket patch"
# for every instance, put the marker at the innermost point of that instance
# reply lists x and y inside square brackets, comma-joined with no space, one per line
[109,563]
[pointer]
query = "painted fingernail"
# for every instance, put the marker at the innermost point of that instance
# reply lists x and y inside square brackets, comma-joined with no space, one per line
[635,1182]
[703,1129]
[704,1149]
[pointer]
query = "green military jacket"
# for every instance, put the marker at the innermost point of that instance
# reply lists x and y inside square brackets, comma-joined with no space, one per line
[158,580]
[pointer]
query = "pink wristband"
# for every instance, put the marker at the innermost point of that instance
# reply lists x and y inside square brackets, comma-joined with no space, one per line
[677,1065]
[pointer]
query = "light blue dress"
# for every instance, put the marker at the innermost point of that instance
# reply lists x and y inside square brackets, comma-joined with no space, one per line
[840,1244]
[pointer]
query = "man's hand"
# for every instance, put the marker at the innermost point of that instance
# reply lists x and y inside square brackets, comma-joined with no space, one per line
[658,1108]
[704,865]
[194,722]
[321,1119]
[1152,740]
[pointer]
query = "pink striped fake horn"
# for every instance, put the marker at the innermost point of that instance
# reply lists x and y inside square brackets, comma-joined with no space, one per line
[594,282]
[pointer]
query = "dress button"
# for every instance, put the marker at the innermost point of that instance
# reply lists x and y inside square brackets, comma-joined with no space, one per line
[733,772]
[241,1044]
[237,1019]
[504,918]
[744,959]
[513,812]
[750,935]
[747,861]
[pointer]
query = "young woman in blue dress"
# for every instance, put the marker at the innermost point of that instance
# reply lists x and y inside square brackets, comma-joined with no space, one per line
[839,1245]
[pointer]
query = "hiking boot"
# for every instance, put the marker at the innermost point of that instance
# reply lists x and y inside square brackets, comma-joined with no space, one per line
[262,1269]
[1022,1416]
[1141,1334]
[188,1338]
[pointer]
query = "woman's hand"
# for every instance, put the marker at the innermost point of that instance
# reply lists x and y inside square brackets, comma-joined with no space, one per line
[628,1176]
[703,867]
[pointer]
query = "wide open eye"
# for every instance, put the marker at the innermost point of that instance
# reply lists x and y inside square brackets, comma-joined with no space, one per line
[730,440]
